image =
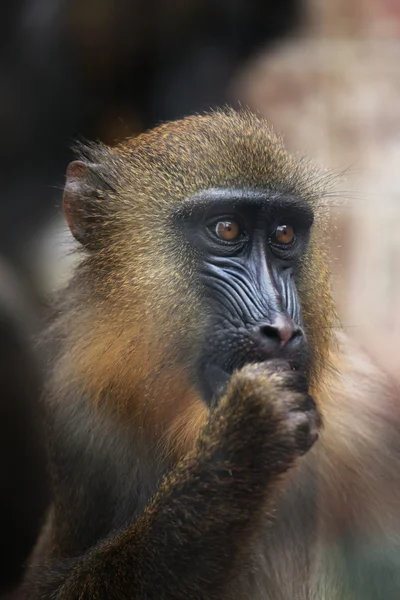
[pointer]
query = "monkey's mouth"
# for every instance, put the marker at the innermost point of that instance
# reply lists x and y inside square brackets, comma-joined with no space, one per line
[215,379]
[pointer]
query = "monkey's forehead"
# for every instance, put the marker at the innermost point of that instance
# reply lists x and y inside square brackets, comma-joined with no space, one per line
[219,150]
[223,144]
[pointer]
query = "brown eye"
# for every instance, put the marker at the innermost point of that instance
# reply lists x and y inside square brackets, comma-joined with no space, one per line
[227,230]
[284,234]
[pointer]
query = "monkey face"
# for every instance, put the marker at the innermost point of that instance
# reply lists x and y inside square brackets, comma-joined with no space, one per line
[249,246]
[198,261]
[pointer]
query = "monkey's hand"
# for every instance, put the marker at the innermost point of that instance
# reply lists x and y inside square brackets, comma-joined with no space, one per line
[266,419]
[195,534]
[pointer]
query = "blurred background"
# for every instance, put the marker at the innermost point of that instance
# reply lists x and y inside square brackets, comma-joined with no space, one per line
[324,72]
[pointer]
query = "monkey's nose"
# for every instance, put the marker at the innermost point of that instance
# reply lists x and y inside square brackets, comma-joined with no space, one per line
[282,331]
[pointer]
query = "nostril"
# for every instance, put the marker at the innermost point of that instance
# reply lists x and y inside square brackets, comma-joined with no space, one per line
[270,331]
[282,330]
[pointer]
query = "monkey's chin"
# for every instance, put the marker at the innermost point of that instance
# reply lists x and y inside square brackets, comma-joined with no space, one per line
[215,383]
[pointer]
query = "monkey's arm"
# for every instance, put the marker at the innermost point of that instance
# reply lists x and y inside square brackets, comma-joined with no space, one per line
[189,539]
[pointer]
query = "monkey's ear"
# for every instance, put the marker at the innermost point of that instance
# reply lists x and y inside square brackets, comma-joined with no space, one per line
[76,207]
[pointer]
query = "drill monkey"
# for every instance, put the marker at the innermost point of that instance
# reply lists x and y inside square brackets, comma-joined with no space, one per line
[195,357]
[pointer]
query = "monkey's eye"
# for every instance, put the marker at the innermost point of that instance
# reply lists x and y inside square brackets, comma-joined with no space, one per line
[284,235]
[228,230]
[285,242]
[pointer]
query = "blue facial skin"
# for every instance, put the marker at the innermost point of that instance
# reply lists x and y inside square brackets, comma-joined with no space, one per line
[248,246]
